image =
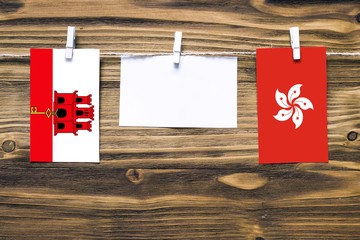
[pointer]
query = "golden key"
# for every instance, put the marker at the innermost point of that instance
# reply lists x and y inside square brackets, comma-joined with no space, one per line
[48,112]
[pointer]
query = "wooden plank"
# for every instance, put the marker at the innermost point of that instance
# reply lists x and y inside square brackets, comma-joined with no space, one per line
[181,204]
[160,147]
[180,183]
[149,25]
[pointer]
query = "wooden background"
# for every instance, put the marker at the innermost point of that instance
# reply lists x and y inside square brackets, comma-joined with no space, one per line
[180,183]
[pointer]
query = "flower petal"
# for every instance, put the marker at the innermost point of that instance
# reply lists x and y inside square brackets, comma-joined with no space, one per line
[281,99]
[283,114]
[294,92]
[297,117]
[304,103]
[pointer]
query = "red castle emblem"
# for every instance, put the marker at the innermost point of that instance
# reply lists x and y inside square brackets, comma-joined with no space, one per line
[68,112]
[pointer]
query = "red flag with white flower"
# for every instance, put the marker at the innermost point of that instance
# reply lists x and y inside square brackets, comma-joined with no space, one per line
[292,116]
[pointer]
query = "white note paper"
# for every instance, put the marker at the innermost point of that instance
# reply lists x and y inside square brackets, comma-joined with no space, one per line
[200,92]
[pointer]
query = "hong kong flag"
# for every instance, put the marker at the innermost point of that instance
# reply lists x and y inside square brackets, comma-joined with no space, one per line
[64,106]
[292,116]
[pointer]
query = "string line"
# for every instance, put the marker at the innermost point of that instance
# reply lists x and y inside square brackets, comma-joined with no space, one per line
[129,54]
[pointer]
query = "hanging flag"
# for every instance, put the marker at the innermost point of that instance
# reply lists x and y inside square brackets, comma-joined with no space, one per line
[292,116]
[64,106]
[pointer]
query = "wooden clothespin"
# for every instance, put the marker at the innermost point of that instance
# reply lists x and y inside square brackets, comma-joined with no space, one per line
[295,42]
[70,42]
[177,47]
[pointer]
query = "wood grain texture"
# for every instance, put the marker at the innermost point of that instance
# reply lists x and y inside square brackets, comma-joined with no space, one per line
[168,183]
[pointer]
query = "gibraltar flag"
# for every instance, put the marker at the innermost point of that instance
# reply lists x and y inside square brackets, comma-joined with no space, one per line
[292,115]
[64,106]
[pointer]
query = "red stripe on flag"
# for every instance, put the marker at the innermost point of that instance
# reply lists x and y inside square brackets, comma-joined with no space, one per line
[41,92]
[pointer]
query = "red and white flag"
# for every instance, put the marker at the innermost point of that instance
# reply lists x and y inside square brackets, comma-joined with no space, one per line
[64,106]
[292,116]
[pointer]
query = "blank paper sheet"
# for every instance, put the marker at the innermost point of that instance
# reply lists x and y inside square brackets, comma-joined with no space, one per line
[200,92]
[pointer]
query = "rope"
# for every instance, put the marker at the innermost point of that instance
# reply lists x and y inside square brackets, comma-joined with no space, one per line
[128,54]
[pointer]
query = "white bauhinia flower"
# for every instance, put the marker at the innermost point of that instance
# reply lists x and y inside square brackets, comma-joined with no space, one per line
[292,105]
